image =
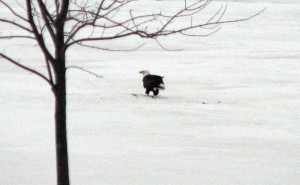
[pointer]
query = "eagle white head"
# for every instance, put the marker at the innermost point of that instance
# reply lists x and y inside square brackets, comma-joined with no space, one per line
[145,72]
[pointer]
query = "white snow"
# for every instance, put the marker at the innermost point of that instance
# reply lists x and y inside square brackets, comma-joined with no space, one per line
[230,114]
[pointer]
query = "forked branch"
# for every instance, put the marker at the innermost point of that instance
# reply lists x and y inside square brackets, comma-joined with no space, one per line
[81,22]
[99,19]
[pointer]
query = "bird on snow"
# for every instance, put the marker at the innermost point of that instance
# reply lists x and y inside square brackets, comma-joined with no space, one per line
[152,82]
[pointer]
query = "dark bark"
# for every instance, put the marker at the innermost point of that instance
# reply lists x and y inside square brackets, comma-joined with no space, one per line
[61,126]
[61,100]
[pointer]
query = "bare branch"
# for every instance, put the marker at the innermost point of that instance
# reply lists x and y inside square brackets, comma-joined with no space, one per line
[217,23]
[132,19]
[100,38]
[38,36]
[64,11]
[12,11]
[47,19]
[17,37]
[164,48]
[15,24]
[57,4]
[25,68]
[162,31]
[223,13]
[21,6]
[49,70]
[200,35]
[107,49]
[95,16]
[101,18]
[216,14]
[87,71]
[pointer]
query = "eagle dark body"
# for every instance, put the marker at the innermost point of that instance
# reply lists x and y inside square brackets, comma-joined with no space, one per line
[153,83]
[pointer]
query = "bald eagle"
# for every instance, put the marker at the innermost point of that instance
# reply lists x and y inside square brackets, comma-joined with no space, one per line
[152,82]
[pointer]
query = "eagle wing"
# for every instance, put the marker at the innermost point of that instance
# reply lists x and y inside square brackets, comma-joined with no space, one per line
[152,81]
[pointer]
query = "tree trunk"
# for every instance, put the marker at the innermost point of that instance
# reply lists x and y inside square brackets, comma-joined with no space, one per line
[61,126]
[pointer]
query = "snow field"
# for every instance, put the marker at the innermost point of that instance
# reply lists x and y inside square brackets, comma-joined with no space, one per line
[229,114]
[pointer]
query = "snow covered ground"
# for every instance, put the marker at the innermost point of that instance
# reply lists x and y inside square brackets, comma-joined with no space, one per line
[230,114]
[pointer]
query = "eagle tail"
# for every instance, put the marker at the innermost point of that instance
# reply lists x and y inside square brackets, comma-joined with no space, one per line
[162,86]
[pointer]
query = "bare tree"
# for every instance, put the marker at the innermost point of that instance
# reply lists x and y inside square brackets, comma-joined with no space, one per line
[82,22]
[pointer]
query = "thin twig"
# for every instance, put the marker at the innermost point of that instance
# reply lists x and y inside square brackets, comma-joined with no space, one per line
[15,24]
[13,11]
[164,48]
[107,49]
[17,37]
[87,71]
